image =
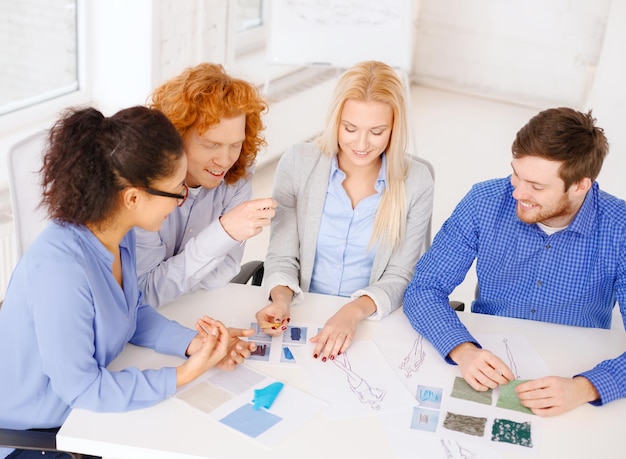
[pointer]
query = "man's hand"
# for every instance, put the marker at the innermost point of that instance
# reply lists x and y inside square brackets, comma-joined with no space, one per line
[556,395]
[248,218]
[480,368]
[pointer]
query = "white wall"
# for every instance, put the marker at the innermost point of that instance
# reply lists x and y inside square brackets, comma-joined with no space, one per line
[608,100]
[533,52]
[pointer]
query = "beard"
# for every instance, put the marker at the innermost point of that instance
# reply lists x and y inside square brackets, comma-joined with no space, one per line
[559,211]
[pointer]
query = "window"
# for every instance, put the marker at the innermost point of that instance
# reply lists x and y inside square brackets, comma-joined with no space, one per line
[40,52]
[249,25]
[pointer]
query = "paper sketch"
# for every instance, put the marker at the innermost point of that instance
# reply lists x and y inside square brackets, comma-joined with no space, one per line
[518,353]
[454,450]
[415,358]
[359,382]
[509,354]
[358,385]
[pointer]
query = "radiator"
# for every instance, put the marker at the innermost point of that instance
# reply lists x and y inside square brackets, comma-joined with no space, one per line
[7,251]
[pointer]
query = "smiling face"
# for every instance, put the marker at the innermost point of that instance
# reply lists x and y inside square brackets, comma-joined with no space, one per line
[155,209]
[539,192]
[213,153]
[364,132]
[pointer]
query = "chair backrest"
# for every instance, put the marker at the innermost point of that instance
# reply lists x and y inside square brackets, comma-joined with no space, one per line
[24,161]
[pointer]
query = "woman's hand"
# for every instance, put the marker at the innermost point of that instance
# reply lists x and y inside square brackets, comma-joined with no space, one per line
[274,317]
[205,351]
[339,330]
[238,349]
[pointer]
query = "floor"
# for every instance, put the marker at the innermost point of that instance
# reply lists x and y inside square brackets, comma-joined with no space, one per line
[467,139]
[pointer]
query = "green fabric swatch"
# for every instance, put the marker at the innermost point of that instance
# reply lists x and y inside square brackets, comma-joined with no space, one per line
[516,433]
[461,389]
[469,425]
[508,398]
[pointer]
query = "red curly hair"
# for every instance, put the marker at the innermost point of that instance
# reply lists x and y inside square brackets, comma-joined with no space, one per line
[202,96]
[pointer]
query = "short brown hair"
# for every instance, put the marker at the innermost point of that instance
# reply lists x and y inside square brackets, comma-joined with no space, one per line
[202,96]
[566,135]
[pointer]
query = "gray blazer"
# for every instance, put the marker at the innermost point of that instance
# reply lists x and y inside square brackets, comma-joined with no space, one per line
[300,188]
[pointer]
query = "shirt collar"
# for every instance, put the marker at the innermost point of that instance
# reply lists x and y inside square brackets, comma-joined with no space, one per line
[584,221]
[381,181]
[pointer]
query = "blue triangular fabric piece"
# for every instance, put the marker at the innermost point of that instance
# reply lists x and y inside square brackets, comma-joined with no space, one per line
[265,397]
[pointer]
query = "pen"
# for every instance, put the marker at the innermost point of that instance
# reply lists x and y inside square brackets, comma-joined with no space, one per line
[274,325]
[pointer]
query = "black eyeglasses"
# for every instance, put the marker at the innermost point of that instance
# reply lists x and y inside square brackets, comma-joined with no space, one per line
[181,197]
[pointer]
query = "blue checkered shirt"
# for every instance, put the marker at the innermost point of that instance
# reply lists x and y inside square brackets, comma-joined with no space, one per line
[571,277]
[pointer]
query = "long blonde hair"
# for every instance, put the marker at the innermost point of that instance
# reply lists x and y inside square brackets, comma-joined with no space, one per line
[373,81]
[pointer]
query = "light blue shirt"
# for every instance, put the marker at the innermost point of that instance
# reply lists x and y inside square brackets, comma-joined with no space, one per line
[571,277]
[343,258]
[191,250]
[64,319]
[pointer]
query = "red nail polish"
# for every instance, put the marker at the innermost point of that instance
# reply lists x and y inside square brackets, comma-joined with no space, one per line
[323,359]
[332,357]
[339,353]
[284,328]
[288,319]
[314,356]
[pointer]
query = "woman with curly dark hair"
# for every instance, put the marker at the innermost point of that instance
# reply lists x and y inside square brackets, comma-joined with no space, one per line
[73,301]
[201,243]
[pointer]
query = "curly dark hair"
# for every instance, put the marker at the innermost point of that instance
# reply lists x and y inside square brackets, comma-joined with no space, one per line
[201,96]
[90,158]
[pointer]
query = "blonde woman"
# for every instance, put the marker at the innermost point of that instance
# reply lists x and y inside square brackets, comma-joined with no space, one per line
[353,211]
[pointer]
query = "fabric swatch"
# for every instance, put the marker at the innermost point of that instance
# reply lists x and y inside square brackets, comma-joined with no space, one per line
[461,389]
[424,419]
[249,421]
[508,398]
[469,425]
[516,433]
[265,397]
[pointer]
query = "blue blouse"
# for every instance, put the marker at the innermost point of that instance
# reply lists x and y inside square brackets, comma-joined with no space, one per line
[64,319]
[343,258]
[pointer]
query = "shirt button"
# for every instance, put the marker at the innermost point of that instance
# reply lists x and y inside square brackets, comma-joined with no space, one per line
[548,246]
[191,230]
[533,311]
[539,283]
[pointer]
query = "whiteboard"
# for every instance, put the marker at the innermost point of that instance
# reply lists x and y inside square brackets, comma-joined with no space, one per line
[340,33]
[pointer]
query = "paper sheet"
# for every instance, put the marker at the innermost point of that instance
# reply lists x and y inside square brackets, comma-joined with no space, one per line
[358,382]
[227,397]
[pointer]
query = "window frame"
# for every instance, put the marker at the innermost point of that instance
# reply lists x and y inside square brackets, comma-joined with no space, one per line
[43,111]
[254,39]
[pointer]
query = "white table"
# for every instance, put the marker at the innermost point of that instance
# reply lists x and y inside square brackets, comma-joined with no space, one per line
[171,430]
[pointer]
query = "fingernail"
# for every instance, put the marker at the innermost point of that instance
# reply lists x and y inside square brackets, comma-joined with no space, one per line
[332,357]
[314,356]
[274,327]
[323,359]
[284,328]
[339,353]
[288,319]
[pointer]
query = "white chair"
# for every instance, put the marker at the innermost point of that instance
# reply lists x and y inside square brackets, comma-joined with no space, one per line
[24,161]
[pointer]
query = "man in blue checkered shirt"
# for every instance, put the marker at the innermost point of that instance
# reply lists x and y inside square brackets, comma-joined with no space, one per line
[549,246]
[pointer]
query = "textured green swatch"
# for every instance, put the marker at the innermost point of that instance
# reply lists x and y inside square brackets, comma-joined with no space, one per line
[469,425]
[461,389]
[508,398]
[516,433]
